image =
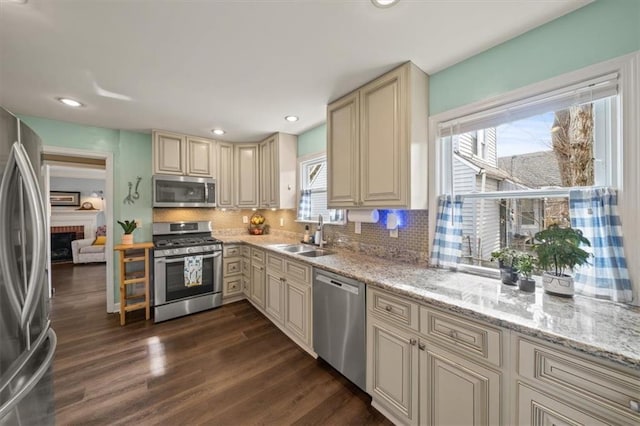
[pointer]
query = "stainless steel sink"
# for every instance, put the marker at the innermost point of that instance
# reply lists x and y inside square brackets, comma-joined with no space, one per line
[296,248]
[315,253]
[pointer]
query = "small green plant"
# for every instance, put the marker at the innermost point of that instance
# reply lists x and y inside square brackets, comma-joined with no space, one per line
[558,249]
[525,264]
[128,226]
[506,257]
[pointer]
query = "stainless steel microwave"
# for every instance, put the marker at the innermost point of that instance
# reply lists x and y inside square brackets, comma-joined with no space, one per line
[183,191]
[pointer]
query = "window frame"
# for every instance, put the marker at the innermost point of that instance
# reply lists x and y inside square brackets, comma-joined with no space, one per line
[625,172]
[303,161]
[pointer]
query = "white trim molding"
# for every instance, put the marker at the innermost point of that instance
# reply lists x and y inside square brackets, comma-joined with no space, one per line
[628,69]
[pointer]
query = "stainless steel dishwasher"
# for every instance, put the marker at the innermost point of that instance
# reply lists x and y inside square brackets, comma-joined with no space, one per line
[339,333]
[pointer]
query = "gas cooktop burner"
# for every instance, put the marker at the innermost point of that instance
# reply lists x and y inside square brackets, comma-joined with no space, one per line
[185,242]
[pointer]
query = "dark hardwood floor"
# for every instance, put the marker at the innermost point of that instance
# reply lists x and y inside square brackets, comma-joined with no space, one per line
[228,366]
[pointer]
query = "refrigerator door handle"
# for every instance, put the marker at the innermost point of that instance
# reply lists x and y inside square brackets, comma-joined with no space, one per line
[17,396]
[23,359]
[36,282]
[14,292]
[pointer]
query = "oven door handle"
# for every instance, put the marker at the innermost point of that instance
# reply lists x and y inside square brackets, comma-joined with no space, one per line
[207,256]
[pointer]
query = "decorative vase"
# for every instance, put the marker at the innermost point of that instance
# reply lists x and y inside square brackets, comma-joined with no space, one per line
[527,285]
[508,275]
[558,286]
[127,239]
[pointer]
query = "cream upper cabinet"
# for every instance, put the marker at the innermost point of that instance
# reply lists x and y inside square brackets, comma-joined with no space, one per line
[169,153]
[224,183]
[246,176]
[377,143]
[278,162]
[343,132]
[201,159]
[176,154]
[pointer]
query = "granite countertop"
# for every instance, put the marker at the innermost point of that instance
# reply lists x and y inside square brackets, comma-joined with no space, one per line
[601,328]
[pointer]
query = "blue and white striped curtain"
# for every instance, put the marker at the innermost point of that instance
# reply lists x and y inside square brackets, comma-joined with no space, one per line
[447,243]
[594,211]
[304,208]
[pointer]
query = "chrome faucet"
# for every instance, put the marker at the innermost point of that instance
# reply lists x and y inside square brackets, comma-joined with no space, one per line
[320,232]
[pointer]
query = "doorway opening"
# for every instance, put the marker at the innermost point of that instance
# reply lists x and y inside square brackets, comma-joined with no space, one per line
[78,186]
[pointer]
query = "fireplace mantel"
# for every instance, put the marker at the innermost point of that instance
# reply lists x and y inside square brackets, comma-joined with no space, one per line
[87,219]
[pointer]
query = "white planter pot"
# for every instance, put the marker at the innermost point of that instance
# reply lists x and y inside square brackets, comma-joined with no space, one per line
[127,239]
[559,286]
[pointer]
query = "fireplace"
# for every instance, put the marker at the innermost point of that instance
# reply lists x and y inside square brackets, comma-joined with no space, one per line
[61,237]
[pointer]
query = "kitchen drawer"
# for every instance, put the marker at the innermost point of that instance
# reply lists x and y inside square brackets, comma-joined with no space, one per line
[246,251]
[232,286]
[579,377]
[467,337]
[257,255]
[395,309]
[297,271]
[231,266]
[275,264]
[231,251]
[246,266]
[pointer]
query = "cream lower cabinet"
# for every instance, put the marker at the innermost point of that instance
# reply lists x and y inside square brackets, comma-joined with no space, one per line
[288,299]
[232,278]
[257,279]
[298,310]
[274,303]
[456,391]
[392,369]
[415,380]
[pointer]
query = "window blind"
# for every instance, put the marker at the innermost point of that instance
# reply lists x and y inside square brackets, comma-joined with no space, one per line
[579,93]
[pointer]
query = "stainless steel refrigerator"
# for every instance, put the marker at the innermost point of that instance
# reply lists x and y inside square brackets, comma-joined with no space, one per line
[27,341]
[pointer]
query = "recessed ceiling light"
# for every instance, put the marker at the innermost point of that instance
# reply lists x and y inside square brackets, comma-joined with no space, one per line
[218,132]
[70,102]
[384,3]
[292,118]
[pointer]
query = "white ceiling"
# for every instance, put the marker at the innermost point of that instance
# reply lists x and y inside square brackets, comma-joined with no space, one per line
[190,66]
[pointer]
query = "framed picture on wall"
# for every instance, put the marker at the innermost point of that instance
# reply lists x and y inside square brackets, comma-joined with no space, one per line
[64,198]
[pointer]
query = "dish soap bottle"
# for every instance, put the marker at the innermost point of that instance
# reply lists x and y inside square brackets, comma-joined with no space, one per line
[306,237]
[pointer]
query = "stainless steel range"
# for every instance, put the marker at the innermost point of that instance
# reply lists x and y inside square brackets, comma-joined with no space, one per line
[183,250]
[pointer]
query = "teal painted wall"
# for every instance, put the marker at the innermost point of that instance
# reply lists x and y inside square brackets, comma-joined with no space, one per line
[312,141]
[602,30]
[131,158]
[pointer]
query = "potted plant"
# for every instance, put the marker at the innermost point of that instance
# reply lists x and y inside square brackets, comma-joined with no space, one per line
[525,264]
[559,251]
[128,226]
[506,261]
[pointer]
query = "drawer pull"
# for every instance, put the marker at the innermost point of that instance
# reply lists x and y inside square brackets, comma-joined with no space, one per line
[634,405]
[388,308]
[453,334]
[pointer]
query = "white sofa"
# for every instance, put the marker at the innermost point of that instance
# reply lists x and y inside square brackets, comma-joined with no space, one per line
[84,252]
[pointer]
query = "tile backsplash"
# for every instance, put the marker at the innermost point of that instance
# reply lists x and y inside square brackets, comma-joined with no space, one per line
[410,246]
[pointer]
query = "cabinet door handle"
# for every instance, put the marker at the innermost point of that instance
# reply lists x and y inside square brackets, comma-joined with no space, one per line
[388,308]
[413,342]
[422,346]
[453,334]
[634,405]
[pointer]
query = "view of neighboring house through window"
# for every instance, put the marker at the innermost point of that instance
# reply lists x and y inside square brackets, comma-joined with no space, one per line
[313,182]
[514,167]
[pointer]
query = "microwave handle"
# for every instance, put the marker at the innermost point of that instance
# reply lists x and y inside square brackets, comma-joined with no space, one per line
[208,256]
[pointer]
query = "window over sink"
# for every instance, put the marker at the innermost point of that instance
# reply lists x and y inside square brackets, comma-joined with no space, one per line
[312,198]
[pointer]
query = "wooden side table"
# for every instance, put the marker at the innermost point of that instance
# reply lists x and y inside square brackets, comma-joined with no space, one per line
[129,254]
